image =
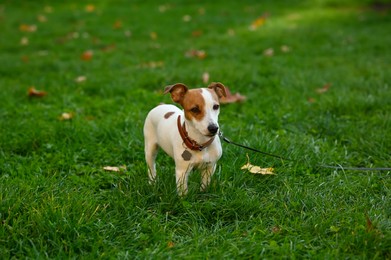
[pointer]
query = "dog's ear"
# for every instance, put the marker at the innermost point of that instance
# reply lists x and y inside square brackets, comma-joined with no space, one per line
[219,88]
[177,91]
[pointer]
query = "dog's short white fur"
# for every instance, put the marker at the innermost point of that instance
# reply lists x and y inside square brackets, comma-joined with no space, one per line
[198,146]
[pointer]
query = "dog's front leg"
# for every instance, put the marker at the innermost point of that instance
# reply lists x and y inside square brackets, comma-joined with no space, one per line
[182,171]
[206,175]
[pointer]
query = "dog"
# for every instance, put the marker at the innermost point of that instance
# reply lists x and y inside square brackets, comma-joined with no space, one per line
[189,136]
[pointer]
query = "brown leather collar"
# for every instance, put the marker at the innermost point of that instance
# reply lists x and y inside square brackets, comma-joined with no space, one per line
[190,143]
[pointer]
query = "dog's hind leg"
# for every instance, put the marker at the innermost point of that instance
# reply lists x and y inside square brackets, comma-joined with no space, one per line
[151,149]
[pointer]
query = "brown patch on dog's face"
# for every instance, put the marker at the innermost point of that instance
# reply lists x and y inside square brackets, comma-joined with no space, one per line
[194,105]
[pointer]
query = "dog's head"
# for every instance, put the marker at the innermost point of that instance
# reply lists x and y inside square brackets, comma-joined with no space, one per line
[201,106]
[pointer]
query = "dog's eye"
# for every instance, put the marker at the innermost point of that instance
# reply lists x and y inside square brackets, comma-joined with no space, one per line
[195,110]
[216,107]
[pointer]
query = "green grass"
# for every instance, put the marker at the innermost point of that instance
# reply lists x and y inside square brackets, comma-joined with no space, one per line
[58,202]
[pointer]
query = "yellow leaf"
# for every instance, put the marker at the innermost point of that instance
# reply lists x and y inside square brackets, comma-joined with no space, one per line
[254,169]
[66,116]
[32,92]
[258,22]
[115,168]
[153,35]
[90,8]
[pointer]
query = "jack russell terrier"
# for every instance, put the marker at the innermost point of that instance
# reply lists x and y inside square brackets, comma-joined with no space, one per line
[189,136]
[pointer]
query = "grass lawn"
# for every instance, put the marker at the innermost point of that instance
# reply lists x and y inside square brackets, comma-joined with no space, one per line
[316,75]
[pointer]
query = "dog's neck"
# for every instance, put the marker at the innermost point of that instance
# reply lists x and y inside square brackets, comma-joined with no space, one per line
[192,138]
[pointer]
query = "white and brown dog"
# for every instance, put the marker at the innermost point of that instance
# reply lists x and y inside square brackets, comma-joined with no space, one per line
[189,136]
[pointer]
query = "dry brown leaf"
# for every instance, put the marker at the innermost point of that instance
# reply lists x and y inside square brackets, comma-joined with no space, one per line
[32,92]
[27,28]
[108,48]
[200,54]
[197,33]
[369,223]
[231,98]
[117,24]
[89,8]
[170,244]
[324,89]
[115,168]
[87,55]
[254,169]
[25,58]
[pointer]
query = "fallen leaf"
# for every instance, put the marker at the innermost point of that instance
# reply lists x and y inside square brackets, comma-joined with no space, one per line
[256,169]
[41,18]
[87,55]
[25,58]
[285,48]
[231,32]
[186,18]
[369,223]
[163,8]
[152,64]
[170,244]
[32,92]
[27,28]
[268,52]
[260,21]
[89,8]
[115,168]
[200,54]
[196,33]
[66,116]
[80,79]
[153,36]
[48,9]
[128,33]
[231,98]
[24,41]
[276,229]
[205,77]
[108,48]
[117,24]
[324,89]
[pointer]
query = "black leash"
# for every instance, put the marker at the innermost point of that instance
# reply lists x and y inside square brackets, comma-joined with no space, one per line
[339,167]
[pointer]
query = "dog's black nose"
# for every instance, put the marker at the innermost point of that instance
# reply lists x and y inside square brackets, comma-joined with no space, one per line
[213,129]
